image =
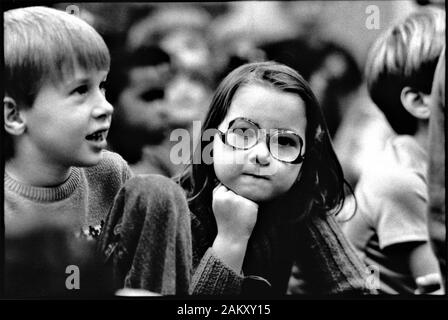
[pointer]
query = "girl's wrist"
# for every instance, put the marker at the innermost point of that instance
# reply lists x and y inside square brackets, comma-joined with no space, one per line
[230,251]
[232,241]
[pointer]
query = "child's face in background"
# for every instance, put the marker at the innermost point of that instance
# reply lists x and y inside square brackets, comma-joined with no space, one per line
[187,100]
[68,122]
[142,102]
[157,99]
[254,173]
[188,48]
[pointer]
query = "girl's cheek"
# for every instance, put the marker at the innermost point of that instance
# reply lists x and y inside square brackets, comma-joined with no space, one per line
[229,158]
[226,156]
[239,158]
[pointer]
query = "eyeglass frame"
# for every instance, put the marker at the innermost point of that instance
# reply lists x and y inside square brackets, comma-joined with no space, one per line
[300,158]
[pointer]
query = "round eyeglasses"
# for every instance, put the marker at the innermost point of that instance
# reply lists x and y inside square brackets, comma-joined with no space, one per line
[284,145]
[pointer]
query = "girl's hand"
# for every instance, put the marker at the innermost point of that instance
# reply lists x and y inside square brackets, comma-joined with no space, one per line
[235,217]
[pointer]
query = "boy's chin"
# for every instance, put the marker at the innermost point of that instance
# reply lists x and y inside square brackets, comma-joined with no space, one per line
[89,161]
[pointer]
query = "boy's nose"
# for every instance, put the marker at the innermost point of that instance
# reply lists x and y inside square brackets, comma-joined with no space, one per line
[102,109]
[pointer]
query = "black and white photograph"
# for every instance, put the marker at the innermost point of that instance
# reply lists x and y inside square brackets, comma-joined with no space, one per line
[224,150]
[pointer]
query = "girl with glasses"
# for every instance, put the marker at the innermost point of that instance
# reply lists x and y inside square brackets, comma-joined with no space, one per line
[263,204]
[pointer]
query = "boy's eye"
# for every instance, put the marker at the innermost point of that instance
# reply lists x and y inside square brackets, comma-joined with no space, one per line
[81,90]
[103,85]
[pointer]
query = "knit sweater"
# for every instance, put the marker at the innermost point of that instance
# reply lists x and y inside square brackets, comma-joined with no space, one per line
[147,236]
[327,261]
[155,242]
[80,204]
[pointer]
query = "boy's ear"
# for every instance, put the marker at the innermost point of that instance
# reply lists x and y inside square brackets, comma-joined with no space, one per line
[416,103]
[14,123]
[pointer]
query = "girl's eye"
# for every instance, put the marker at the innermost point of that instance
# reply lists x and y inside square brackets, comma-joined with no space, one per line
[242,130]
[81,90]
[246,133]
[286,141]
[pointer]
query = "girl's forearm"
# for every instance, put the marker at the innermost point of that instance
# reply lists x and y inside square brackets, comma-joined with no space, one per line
[230,251]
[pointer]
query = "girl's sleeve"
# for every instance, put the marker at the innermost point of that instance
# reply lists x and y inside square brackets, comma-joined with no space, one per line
[211,276]
[147,236]
[327,260]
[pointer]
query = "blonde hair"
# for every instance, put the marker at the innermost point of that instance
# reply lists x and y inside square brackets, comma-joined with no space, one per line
[405,55]
[42,44]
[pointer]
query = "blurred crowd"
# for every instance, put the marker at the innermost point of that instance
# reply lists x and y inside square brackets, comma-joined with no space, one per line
[167,59]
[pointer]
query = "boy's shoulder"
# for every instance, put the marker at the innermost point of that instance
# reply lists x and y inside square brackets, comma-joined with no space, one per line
[400,168]
[110,164]
[392,183]
[112,158]
[401,154]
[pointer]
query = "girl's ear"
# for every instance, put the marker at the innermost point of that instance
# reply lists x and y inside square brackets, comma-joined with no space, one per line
[14,122]
[415,102]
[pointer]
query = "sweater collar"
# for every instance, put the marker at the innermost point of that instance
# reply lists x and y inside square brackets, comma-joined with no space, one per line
[43,194]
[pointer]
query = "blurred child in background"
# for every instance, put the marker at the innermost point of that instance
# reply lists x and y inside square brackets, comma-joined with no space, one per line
[167,83]
[389,229]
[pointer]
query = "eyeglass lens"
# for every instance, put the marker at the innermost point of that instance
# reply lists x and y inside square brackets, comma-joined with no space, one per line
[285,146]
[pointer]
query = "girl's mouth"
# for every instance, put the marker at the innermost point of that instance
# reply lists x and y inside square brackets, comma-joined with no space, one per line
[256,176]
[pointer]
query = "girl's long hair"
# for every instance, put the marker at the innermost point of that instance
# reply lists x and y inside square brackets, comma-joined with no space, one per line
[320,185]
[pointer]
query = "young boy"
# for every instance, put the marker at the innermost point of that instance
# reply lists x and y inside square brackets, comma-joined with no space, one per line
[389,228]
[56,120]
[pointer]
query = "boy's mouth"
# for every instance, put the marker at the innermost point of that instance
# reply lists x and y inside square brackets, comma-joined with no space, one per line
[99,135]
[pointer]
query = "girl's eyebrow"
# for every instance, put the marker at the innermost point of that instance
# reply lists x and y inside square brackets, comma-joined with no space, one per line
[258,125]
[287,129]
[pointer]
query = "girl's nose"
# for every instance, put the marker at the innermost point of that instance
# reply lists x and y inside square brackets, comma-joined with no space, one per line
[260,154]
